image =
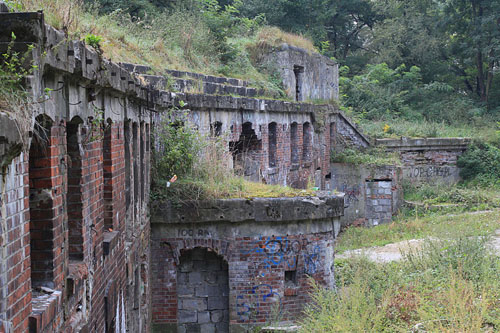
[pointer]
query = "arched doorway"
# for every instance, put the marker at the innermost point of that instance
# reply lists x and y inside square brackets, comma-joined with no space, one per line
[202,292]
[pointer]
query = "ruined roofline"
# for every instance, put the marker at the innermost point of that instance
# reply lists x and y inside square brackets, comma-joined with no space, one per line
[421,144]
[285,47]
[75,57]
[256,210]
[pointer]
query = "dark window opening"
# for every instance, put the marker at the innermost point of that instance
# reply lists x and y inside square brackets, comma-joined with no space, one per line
[290,278]
[108,176]
[299,76]
[294,143]
[306,142]
[142,139]
[136,287]
[272,144]
[127,163]
[246,150]
[41,206]
[74,195]
[216,129]
[135,159]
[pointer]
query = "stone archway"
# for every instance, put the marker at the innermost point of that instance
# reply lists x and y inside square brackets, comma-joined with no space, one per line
[202,292]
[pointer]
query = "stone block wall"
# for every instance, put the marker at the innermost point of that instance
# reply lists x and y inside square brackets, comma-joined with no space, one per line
[378,201]
[203,292]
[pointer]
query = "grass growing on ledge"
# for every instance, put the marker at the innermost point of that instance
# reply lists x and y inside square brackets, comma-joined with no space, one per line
[483,129]
[197,167]
[373,156]
[231,187]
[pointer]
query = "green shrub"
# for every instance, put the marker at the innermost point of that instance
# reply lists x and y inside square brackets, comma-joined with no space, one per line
[94,41]
[481,162]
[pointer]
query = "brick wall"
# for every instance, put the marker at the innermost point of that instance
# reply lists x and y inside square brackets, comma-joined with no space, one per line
[428,160]
[267,276]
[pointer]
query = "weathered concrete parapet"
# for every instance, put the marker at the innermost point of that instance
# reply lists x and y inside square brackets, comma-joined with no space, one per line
[230,264]
[428,160]
[250,210]
[417,144]
[306,75]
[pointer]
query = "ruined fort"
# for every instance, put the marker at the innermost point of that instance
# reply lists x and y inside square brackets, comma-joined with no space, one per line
[83,248]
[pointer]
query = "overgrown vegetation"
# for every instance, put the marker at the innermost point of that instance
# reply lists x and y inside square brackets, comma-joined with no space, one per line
[201,36]
[420,224]
[192,166]
[372,156]
[14,98]
[480,164]
[448,286]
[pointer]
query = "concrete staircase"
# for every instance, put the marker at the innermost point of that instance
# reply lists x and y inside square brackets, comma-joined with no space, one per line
[189,82]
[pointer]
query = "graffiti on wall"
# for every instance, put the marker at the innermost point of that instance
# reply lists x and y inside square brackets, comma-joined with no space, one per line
[429,172]
[352,193]
[280,250]
[253,303]
[193,233]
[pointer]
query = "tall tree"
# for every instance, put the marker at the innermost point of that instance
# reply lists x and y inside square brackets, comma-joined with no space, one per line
[473,29]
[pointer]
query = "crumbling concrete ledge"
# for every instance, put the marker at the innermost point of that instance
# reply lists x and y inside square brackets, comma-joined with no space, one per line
[322,206]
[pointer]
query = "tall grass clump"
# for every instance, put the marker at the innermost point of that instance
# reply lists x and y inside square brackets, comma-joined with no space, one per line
[447,286]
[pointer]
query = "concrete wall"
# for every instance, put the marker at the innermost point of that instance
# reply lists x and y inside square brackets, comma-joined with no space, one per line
[306,75]
[271,247]
[428,160]
[372,194]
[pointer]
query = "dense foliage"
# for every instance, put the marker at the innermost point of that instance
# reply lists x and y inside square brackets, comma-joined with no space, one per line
[434,61]
[481,162]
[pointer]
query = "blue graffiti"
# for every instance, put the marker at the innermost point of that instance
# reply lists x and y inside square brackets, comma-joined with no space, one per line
[311,261]
[250,304]
[281,250]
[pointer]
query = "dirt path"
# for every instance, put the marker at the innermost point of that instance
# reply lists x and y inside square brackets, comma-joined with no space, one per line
[392,252]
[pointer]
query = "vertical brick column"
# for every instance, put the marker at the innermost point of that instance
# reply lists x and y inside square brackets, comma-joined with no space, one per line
[15,287]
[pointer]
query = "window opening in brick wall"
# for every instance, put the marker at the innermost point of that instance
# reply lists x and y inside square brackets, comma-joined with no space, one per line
[299,78]
[41,206]
[108,174]
[135,153]
[272,132]
[306,142]
[333,131]
[290,278]
[127,162]
[142,139]
[246,151]
[294,143]
[136,287]
[216,129]
[75,189]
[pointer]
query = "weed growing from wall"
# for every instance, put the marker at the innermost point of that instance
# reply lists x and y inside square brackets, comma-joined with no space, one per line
[15,100]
